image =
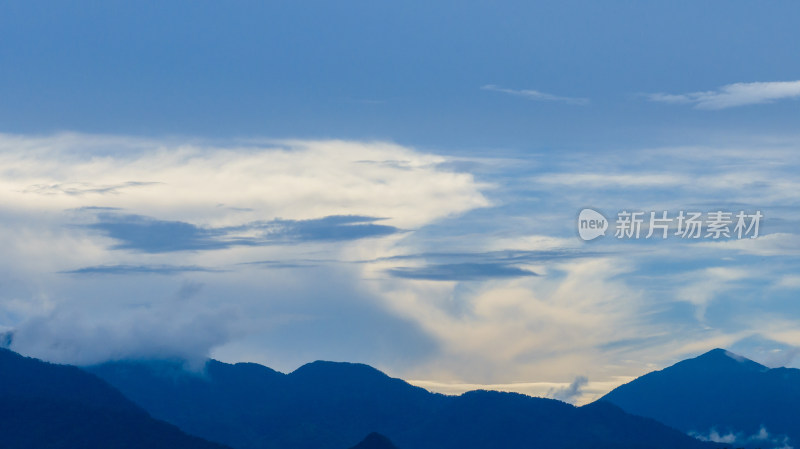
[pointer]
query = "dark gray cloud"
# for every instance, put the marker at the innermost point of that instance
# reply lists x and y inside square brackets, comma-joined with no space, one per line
[150,235]
[460,272]
[139,269]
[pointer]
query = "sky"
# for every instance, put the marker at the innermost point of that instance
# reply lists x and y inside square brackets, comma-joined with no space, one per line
[399,184]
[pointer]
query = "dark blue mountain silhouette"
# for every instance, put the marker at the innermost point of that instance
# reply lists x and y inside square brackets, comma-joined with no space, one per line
[44,406]
[321,404]
[722,392]
[326,405]
[375,441]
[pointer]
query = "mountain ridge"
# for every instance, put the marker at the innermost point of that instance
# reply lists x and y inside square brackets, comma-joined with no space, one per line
[332,405]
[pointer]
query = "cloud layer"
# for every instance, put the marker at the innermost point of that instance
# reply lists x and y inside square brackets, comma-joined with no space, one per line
[452,271]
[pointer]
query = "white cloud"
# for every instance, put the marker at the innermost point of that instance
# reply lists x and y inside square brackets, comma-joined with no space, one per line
[536,95]
[229,185]
[733,95]
[45,181]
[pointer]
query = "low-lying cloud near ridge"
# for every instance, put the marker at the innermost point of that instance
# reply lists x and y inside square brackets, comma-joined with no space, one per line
[571,392]
[763,438]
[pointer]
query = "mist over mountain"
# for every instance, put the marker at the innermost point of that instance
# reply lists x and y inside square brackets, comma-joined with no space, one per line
[327,405]
[45,406]
[720,396]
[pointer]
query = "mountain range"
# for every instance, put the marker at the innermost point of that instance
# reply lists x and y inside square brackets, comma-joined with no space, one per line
[327,405]
[717,400]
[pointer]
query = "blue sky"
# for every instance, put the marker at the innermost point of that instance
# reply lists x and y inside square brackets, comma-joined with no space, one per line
[409,72]
[397,184]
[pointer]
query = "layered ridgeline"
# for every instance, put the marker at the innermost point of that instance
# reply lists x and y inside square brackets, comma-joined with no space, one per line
[720,396]
[47,406]
[325,405]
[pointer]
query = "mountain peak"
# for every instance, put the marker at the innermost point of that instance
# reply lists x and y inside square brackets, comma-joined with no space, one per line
[718,352]
[375,441]
[719,391]
[724,359]
[324,368]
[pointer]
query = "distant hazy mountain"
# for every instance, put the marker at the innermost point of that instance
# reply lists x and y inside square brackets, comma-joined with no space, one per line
[375,441]
[325,405]
[720,395]
[44,406]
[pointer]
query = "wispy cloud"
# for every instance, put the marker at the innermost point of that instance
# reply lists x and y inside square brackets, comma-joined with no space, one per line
[733,95]
[140,269]
[535,95]
[82,188]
